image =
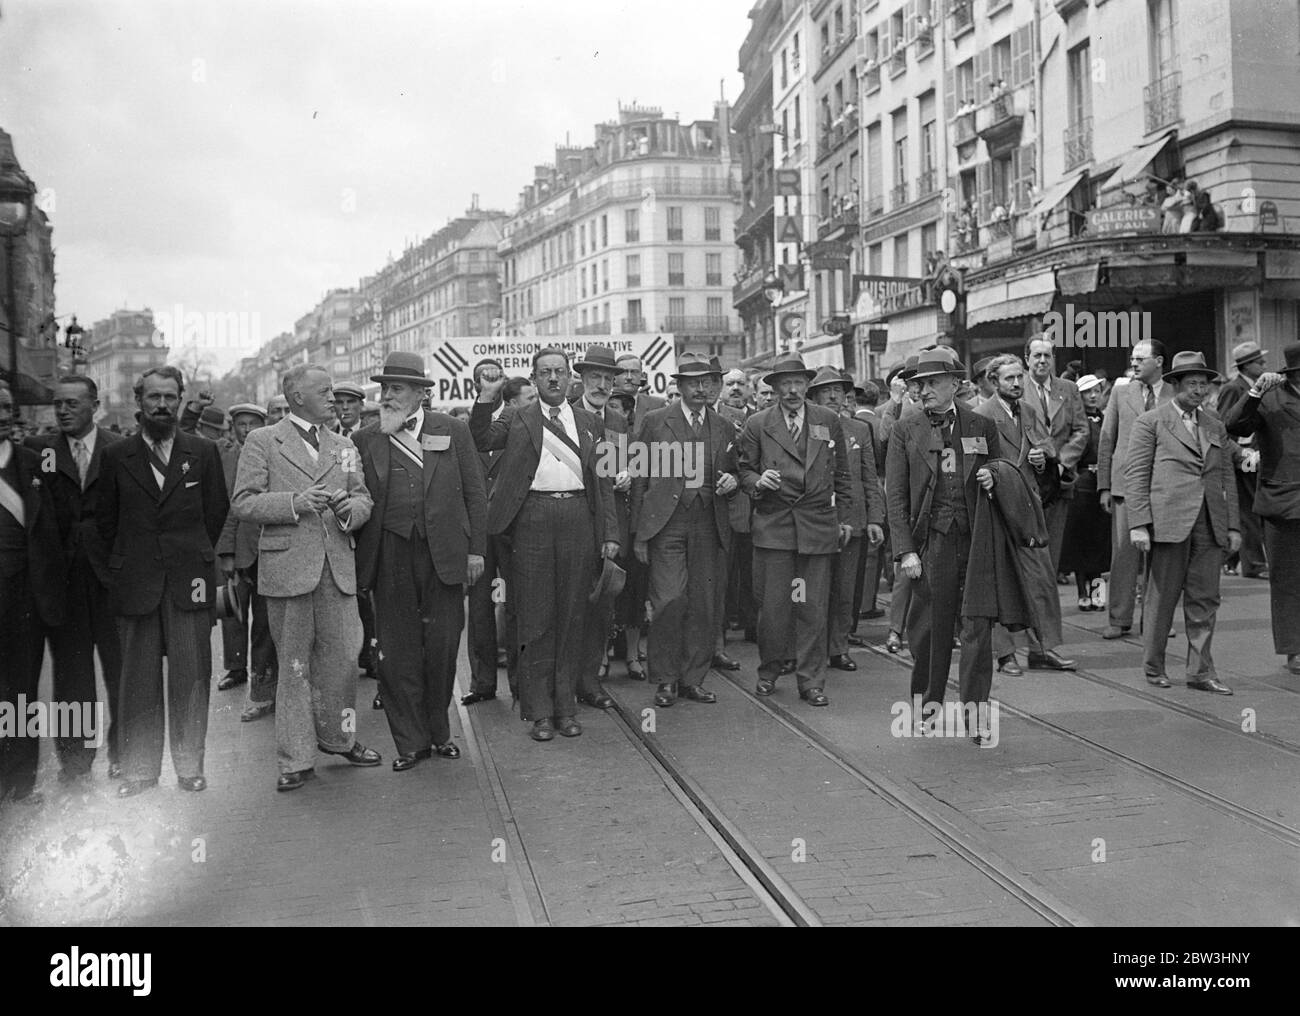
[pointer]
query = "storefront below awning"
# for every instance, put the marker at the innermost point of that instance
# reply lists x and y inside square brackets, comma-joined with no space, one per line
[911,332]
[1137,161]
[1011,298]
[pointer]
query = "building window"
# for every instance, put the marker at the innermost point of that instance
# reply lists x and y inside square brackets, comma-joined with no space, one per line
[712,224]
[582,241]
[900,255]
[604,231]
[604,276]
[713,269]
[1003,72]
[633,271]
[875,259]
[677,311]
[929,242]
[582,276]
[798,120]
[785,69]
[676,270]
[634,323]
[632,225]
[674,224]
[717,318]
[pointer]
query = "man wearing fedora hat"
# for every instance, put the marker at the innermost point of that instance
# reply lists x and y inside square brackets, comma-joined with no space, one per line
[1182,508]
[302,484]
[794,464]
[1249,360]
[867,511]
[1271,412]
[934,471]
[561,519]
[426,541]
[212,425]
[683,528]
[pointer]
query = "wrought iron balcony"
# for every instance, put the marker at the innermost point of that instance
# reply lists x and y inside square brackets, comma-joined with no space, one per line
[632,326]
[595,328]
[927,183]
[898,196]
[961,16]
[871,78]
[695,325]
[1162,101]
[1000,122]
[1078,143]
[964,128]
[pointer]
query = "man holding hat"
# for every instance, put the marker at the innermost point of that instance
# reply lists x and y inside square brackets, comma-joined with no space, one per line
[1182,508]
[867,511]
[348,400]
[683,528]
[1271,412]
[1249,359]
[426,541]
[561,519]
[934,471]
[237,555]
[794,464]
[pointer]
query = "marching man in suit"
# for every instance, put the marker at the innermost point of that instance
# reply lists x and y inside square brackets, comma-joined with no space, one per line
[794,464]
[302,484]
[1182,507]
[1144,392]
[426,542]
[160,513]
[77,455]
[1058,404]
[934,472]
[683,528]
[1271,412]
[32,575]
[561,519]
[1249,360]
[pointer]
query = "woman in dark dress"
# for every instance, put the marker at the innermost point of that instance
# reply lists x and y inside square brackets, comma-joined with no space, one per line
[1086,549]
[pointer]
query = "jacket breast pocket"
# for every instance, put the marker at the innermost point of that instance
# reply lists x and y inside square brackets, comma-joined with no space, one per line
[273,543]
[115,561]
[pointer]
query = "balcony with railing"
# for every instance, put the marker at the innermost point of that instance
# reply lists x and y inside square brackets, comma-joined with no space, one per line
[898,60]
[1162,100]
[1078,143]
[898,195]
[961,17]
[999,122]
[927,183]
[595,328]
[964,128]
[871,77]
[699,325]
[749,282]
[759,205]
[875,204]
[843,215]
[633,326]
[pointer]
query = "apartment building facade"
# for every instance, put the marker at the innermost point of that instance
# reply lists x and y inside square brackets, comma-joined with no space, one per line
[119,349]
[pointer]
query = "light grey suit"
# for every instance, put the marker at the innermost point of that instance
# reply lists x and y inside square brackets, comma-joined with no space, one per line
[1068,427]
[307,573]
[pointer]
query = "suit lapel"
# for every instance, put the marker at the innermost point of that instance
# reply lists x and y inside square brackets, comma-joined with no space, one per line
[924,434]
[1174,421]
[294,448]
[181,461]
[64,462]
[327,455]
[28,490]
[1290,401]
[677,424]
[815,445]
[137,464]
[96,458]
[775,426]
[966,427]
[430,459]
[532,417]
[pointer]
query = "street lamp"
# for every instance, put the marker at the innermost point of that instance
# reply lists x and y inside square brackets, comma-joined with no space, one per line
[16,192]
[774,291]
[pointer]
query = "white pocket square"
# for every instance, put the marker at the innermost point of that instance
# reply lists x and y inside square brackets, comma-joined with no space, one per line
[192,483]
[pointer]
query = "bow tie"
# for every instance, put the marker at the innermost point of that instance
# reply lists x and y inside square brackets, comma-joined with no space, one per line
[942,419]
[412,423]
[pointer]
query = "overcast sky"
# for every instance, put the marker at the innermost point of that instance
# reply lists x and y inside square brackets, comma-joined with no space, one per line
[245,156]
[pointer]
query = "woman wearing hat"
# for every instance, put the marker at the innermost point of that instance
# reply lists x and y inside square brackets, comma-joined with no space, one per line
[1087,528]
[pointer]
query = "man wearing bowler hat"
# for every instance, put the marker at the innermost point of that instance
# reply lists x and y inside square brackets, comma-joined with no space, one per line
[934,472]
[1249,359]
[794,464]
[561,519]
[683,527]
[1182,508]
[426,541]
[1271,412]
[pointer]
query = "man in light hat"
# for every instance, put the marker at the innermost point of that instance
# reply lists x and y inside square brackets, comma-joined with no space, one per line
[1249,360]
[1271,412]
[794,464]
[237,555]
[934,471]
[683,528]
[866,514]
[348,400]
[561,519]
[1182,509]
[426,541]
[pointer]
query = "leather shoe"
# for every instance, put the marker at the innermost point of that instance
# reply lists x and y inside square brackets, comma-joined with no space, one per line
[358,754]
[447,750]
[1261,574]
[1210,684]
[192,783]
[132,787]
[1159,680]
[788,667]
[815,697]
[857,641]
[765,688]
[115,770]
[1049,661]
[378,703]
[724,662]
[568,727]
[597,700]
[1293,663]
[477,696]
[894,643]
[292,781]
[543,730]
[635,672]
[410,759]
[666,695]
[1008,665]
[233,679]
[1112,632]
[255,711]
[842,662]
[871,615]
[697,694]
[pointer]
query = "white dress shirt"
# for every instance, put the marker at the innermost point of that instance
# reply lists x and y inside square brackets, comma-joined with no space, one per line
[552,474]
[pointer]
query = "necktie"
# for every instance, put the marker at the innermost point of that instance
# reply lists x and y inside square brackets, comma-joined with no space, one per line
[1148,398]
[1189,418]
[555,413]
[309,435]
[1042,395]
[1015,409]
[794,426]
[158,460]
[695,423]
[412,423]
[82,458]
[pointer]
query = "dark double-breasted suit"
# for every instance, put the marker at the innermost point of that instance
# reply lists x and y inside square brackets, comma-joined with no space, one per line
[481,623]
[555,544]
[162,585]
[1274,420]
[414,556]
[867,509]
[1252,555]
[1017,437]
[1186,493]
[687,529]
[90,624]
[33,591]
[795,532]
[916,464]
